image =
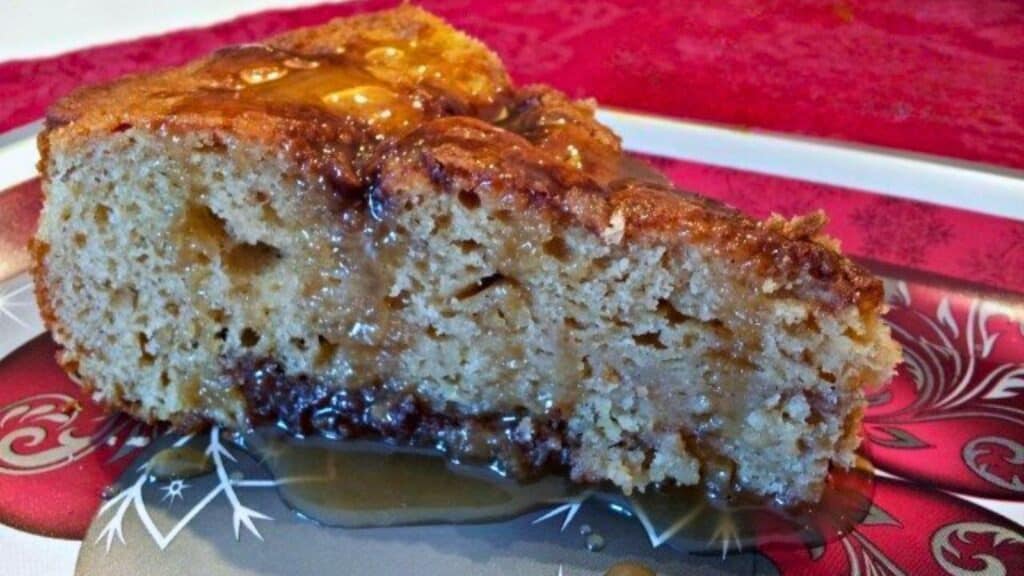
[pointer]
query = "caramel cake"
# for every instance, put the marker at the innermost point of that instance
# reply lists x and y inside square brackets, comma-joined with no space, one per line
[365,229]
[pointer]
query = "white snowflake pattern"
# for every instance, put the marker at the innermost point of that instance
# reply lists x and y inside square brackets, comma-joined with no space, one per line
[131,498]
[14,299]
[174,490]
[570,509]
[725,535]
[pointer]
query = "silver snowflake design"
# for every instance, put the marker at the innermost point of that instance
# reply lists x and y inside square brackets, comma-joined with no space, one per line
[570,509]
[724,537]
[13,300]
[174,490]
[227,485]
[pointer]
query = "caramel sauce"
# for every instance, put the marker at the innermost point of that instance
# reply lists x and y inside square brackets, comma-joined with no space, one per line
[201,234]
[179,463]
[711,517]
[376,88]
[636,170]
[630,569]
[362,484]
[347,280]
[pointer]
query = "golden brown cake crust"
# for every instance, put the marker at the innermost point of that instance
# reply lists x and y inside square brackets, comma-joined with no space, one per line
[542,148]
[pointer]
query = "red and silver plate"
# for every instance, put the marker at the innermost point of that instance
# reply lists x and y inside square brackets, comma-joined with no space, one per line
[946,437]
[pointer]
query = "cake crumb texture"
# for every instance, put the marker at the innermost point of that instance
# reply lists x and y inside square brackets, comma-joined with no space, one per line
[372,205]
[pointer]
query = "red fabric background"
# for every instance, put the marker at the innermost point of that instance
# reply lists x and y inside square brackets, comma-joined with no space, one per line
[954,243]
[939,77]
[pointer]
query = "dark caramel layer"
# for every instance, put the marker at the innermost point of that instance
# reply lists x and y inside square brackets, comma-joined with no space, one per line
[518,444]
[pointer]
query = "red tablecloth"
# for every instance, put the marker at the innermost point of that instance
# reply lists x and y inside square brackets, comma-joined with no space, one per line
[940,77]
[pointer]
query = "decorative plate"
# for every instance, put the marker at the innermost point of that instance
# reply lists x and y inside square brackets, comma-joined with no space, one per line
[946,436]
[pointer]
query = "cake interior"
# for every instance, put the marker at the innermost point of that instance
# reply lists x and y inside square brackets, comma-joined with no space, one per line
[200,280]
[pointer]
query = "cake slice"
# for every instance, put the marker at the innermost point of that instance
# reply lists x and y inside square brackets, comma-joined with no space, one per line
[365,229]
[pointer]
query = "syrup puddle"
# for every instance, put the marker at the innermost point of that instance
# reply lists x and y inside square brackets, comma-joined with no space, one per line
[362,484]
[359,484]
[688,519]
[179,463]
[630,569]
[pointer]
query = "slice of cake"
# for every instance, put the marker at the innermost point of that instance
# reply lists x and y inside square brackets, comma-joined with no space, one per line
[364,229]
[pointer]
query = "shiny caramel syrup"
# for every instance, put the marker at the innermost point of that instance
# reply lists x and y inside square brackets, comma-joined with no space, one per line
[369,92]
[629,569]
[362,484]
[358,484]
[357,99]
[712,521]
[180,462]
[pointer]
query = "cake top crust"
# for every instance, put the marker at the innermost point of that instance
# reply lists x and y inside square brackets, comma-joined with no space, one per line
[398,100]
